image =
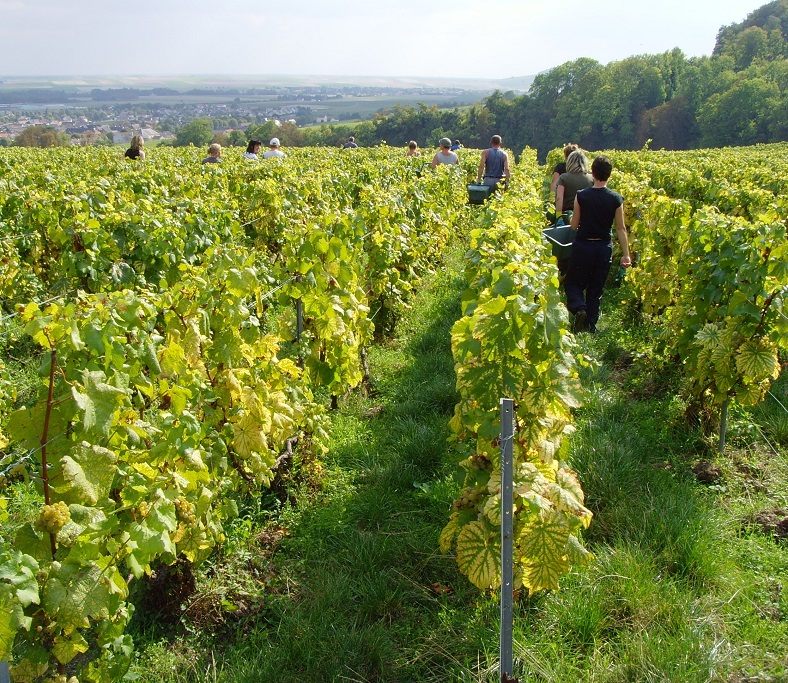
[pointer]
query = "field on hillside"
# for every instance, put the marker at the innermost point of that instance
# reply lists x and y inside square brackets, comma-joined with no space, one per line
[249,421]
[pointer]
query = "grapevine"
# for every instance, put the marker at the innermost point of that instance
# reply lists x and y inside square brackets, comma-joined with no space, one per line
[174,381]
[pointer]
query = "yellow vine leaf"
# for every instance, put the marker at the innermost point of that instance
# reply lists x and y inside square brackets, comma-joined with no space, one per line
[450,532]
[542,543]
[248,436]
[757,360]
[479,554]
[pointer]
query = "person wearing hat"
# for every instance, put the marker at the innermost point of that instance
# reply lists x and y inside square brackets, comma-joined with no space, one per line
[444,154]
[494,164]
[274,152]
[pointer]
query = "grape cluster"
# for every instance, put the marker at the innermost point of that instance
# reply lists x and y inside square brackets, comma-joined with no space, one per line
[185,510]
[61,679]
[143,508]
[469,498]
[53,518]
[479,462]
[16,473]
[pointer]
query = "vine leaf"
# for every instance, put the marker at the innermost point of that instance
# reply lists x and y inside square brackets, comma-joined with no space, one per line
[66,648]
[248,436]
[479,554]
[757,360]
[576,553]
[149,541]
[543,544]
[74,594]
[18,589]
[457,520]
[89,471]
[99,401]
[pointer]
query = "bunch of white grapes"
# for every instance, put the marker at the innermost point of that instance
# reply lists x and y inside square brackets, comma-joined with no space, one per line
[469,498]
[185,511]
[53,518]
[479,462]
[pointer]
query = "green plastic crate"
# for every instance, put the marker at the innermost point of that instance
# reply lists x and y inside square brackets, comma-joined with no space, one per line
[560,238]
[478,194]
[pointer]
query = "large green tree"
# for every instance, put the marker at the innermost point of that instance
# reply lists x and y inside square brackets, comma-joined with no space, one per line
[740,115]
[198,132]
[41,136]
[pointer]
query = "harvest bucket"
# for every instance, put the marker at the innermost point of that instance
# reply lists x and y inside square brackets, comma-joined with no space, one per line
[560,238]
[477,194]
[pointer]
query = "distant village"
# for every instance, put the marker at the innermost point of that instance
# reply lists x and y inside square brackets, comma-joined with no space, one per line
[113,116]
[116,124]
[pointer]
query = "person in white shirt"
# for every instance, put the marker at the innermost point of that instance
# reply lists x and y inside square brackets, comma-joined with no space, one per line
[444,155]
[274,151]
[252,149]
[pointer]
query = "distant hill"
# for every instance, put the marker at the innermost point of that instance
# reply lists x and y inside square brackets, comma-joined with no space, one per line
[79,84]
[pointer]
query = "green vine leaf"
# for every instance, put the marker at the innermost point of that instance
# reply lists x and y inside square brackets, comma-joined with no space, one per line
[99,402]
[89,472]
[74,594]
[66,648]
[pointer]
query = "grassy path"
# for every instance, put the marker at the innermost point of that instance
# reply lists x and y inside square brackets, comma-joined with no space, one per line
[358,588]
[344,581]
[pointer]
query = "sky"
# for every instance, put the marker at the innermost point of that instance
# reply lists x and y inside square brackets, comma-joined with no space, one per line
[393,38]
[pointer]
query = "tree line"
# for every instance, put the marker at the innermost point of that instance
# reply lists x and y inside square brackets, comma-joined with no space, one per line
[736,96]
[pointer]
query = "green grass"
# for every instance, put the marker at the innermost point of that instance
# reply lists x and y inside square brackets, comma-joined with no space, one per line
[340,578]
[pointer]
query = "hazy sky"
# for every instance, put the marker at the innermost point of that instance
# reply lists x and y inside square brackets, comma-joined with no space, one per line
[452,38]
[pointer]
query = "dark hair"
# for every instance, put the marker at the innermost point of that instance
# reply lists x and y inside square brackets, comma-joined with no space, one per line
[571,147]
[456,142]
[252,144]
[495,140]
[601,168]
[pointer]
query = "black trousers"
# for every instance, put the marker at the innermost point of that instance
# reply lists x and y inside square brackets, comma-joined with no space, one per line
[589,266]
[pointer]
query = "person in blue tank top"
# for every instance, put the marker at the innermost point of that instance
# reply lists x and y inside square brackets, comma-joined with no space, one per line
[494,164]
[596,210]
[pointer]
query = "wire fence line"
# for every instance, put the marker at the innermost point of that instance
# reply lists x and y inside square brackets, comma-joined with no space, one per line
[26,455]
[270,293]
[38,303]
[254,220]
[779,402]
[12,238]
[265,296]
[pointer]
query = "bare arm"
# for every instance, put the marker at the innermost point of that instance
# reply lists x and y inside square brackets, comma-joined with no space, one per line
[575,222]
[480,172]
[559,200]
[554,182]
[623,238]
[506,166]
[434,161]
